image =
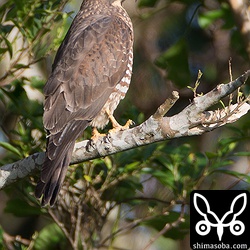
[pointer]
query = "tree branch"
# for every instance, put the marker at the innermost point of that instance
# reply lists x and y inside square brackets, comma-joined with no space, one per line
[193,120]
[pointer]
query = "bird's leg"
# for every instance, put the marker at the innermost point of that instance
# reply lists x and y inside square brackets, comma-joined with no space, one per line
[116,126]
[96,135]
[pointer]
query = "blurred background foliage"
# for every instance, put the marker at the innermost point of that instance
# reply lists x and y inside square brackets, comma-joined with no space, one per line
[138,199]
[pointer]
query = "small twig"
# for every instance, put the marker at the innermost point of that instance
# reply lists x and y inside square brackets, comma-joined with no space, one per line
[231,79]
[78,226]
[224,116]
[11,239]
[196,85]
[62,226]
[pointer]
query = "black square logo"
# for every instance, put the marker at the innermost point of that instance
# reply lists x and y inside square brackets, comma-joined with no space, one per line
[220,219]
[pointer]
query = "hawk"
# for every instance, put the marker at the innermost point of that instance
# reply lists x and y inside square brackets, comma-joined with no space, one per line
[90,75]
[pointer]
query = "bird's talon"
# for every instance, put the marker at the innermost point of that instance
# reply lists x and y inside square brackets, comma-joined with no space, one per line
[96,135]
[128,124]
[120,127]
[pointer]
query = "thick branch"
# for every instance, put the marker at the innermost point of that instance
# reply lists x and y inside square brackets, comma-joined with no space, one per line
[193,120]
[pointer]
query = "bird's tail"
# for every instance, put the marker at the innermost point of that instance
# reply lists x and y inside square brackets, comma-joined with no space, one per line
[58,155]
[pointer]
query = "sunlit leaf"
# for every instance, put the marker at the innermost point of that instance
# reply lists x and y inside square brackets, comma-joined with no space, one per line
[50,237]
[207,18]
[10,148]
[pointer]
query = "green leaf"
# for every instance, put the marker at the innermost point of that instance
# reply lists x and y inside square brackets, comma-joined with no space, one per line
[9,46]
[50,237]
[242,154]
[175,61]
[218,164]
[160,221]
[124,189]
[1,238]
[132,166]
[21,208]
[10,148]
[21,66]
[165,177]
[207,18]
[235,174]
[211,155]
[3,50]
[5,28]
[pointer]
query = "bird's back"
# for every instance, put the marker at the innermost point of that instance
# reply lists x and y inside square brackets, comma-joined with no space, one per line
[91,73]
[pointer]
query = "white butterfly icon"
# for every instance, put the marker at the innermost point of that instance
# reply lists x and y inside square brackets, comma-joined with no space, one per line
[203,227]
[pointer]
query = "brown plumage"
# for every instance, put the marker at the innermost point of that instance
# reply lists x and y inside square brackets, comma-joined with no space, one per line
[90,75]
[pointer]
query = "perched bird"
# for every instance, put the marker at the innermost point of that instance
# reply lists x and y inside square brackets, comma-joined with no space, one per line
[90,75]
